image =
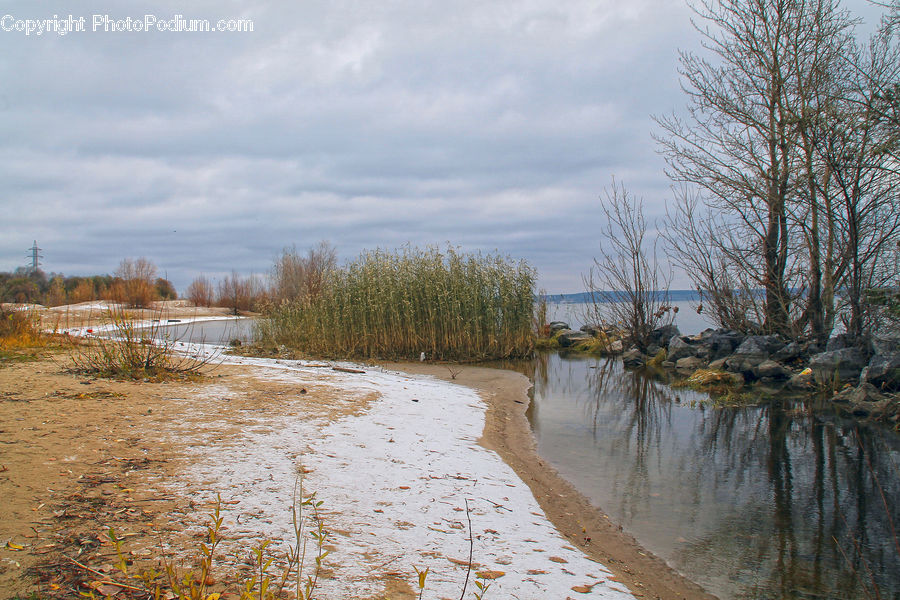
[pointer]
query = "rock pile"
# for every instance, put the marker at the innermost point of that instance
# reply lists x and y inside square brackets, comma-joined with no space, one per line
[867,375]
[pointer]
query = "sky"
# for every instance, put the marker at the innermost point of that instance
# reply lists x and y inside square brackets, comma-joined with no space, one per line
[486,125]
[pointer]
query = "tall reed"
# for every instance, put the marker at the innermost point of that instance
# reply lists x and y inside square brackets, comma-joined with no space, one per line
[397,304]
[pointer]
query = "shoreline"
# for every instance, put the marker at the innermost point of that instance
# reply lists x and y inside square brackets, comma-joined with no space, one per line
[508,433]
[345,420]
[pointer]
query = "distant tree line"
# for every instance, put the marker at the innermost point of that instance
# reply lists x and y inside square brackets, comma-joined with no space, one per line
[134,283]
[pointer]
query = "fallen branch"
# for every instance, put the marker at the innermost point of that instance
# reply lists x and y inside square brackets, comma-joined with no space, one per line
[104,581]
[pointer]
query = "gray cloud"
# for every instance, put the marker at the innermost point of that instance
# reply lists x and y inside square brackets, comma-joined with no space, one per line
[486,125]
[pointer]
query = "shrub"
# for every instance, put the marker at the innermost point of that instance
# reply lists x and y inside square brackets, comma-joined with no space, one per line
[200,292]
[135,283]
[19,329]
[395,305]
[134,351]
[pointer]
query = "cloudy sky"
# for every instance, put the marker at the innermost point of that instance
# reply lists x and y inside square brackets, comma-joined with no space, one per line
[489,125]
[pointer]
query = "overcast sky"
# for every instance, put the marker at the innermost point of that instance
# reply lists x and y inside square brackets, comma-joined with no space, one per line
[491,125]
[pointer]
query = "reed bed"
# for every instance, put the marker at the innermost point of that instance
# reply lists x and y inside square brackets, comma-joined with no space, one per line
[398,304]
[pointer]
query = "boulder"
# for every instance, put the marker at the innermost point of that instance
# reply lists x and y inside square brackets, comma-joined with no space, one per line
[680,347]
[634,358]
[769,369]
[883,371]
[690,363]
[653,350]
[661,335]
[790,352]
[844,365]
[863,401]
[753,351]
[840,341]
[569,337]
[802,381]
[737,379]
[721,344]
[616,347]
[590,329]
[718,364]
[558,326]
[886,343]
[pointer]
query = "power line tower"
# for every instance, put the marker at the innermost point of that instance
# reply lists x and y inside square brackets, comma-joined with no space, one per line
[35,254]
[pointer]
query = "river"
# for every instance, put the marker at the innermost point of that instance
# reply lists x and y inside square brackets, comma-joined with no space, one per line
[780,500]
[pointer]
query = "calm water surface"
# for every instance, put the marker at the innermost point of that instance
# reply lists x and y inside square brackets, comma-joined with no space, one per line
[209,332]
[747,502]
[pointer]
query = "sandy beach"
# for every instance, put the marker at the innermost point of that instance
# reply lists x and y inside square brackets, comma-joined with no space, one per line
[394,453]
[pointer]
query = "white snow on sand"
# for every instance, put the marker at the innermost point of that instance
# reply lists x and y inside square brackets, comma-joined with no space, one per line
[394,482]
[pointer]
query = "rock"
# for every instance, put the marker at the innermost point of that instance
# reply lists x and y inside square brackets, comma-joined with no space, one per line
[864,401]
[752,352]
[769,369]
[736,379]
[667,364]
[617,347]
[661,335]
[840,341]
[802,381]
[653,350]
[883,371]
[844,365]
[590,329]
[718,364]
[689,363]
[558,326]
[865,393]
[886,343]
[721,344]
[569,337]
[680,347]
[790,352]
[811,348]
[634,358]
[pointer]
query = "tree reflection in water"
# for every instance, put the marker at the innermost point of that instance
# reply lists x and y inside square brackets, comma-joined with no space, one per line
[771,501]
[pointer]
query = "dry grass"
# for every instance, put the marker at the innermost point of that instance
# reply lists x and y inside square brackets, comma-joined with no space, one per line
[19,329]
[658,360]
[600,344]
[396,305]
[21,337]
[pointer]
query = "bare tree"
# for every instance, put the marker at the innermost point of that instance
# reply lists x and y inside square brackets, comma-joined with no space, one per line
[789,164]
[298,277]
[625,283]
[857,150]
[239,293]
[136,285]
[200,292]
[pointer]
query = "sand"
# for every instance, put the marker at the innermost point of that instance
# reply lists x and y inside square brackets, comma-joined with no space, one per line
[394,456]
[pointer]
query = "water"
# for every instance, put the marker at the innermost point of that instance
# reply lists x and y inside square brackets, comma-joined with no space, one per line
[576,314]
[746,501]
[220,331]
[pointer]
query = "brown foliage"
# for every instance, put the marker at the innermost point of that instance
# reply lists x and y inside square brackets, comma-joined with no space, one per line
[200,292]
[136,283]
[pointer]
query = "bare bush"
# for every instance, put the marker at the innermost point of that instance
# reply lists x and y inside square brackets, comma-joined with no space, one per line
[298,277]
[135,283]
[239,293]
[201,292]
[625,283]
